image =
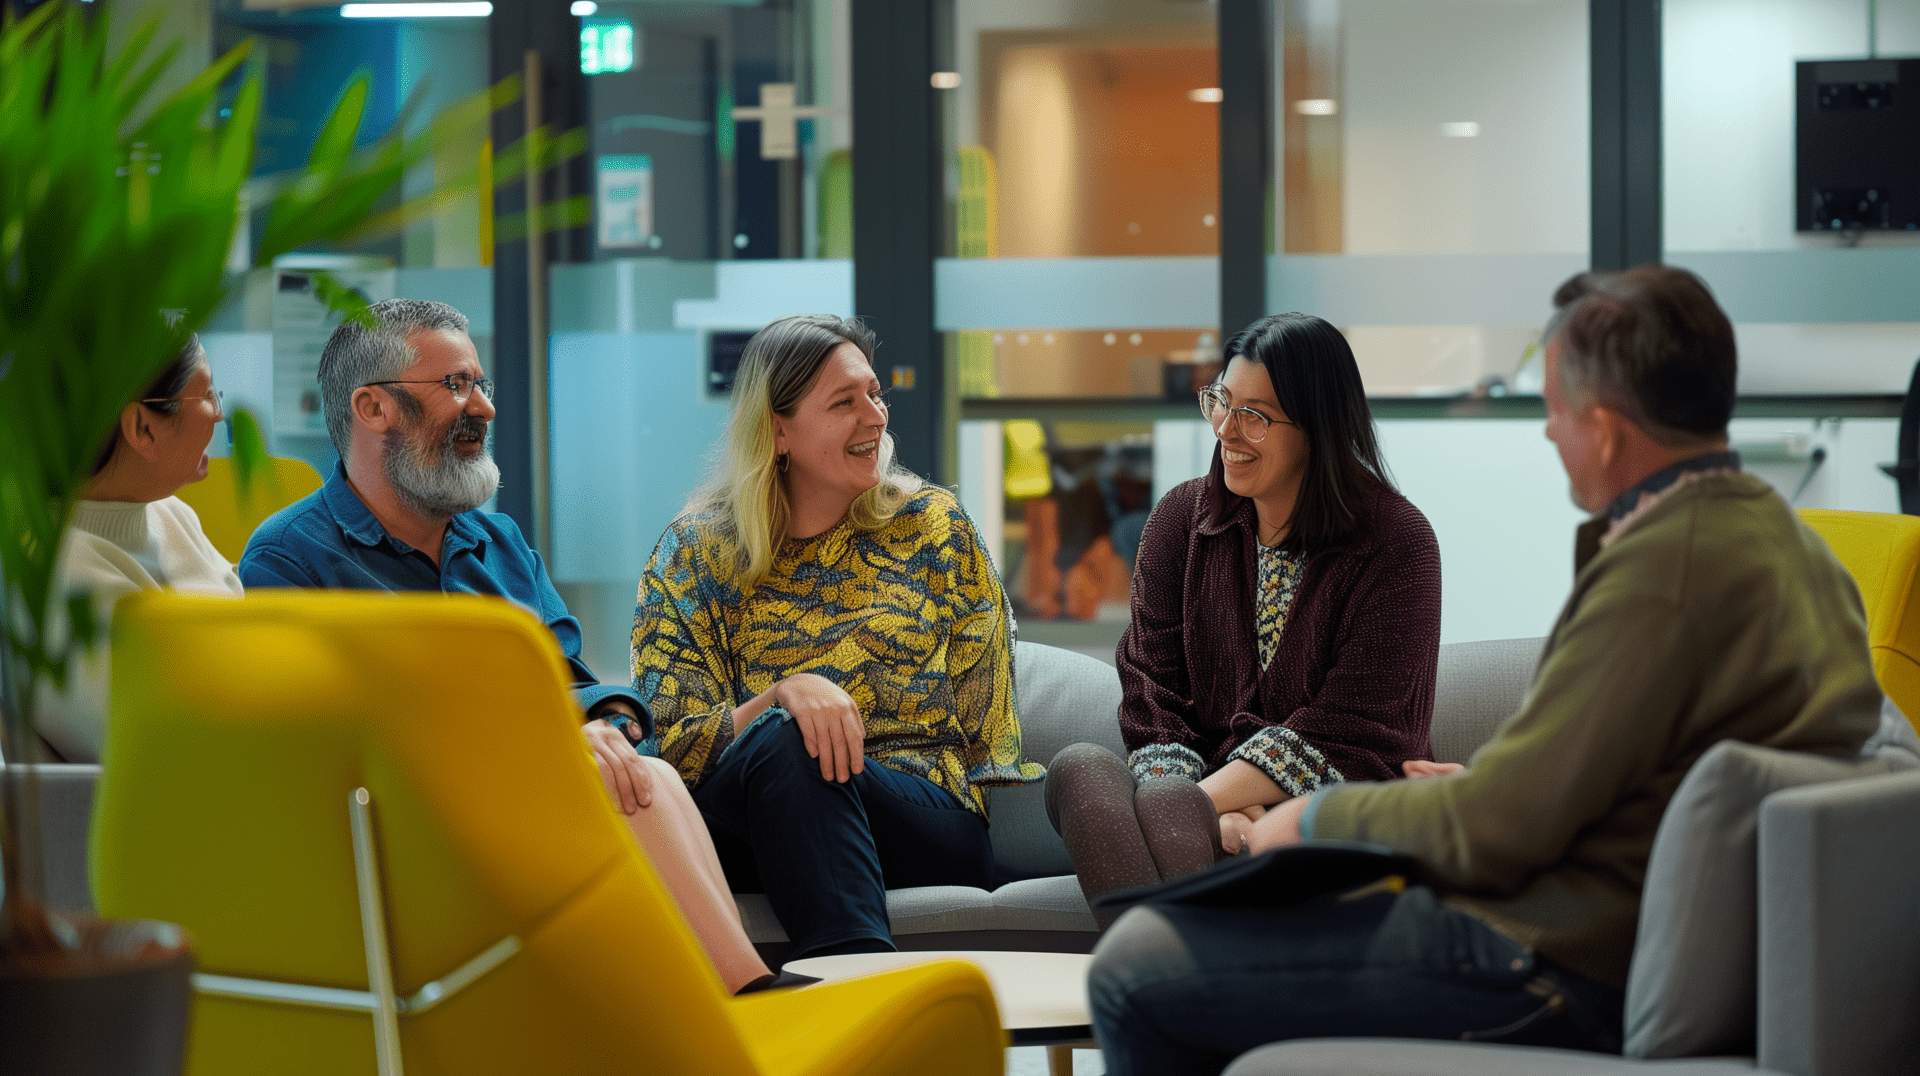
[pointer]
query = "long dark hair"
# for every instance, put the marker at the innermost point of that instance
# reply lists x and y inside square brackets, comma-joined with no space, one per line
[1317,384]
[166,389]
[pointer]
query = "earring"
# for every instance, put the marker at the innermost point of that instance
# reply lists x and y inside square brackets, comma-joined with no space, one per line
[781,463]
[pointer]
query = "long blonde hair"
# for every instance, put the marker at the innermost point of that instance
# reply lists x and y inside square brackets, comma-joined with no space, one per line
[744,498]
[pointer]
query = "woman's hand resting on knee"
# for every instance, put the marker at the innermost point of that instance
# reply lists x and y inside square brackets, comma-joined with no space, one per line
[829,723]
[622,770]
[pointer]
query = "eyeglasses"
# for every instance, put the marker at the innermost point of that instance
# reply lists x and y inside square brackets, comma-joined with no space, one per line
[1216,403]
[461,385]
[219,401]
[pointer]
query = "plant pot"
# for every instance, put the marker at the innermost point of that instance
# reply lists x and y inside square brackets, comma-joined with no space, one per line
[115,1000]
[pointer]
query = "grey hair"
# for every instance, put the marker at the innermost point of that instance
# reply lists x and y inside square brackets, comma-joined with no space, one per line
[356,355]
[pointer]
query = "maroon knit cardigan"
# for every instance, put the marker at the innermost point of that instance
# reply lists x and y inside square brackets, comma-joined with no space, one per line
[1355,669]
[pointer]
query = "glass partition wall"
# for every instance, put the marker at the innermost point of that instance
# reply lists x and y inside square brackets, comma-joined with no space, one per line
[1082,165]
[1429,189]
[1429,181]
[719,137]
[1434,179]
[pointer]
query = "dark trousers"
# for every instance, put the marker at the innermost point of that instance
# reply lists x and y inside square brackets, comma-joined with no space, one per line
[826,853]
[1187,990]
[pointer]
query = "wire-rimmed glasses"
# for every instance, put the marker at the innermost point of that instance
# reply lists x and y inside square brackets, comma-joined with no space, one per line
[1216,404]
[218,398]
[461,385]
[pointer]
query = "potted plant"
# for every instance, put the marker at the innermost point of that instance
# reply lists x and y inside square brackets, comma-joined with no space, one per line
[113,209]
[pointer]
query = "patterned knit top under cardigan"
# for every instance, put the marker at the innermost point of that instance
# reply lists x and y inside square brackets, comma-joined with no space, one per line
[1348,691]
[909,620]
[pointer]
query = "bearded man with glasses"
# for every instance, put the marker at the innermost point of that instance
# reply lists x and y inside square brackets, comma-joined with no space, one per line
[407,405]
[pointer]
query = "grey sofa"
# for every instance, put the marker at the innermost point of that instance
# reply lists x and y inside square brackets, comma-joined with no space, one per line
[1065,697]
[1829,884]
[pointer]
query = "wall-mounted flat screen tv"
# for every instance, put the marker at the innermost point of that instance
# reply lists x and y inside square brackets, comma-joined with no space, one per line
[1858,146]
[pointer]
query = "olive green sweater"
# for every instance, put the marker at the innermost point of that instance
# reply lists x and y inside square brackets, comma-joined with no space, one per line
[1711,614]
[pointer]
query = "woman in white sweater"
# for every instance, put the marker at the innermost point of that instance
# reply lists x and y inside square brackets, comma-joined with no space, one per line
[131,533]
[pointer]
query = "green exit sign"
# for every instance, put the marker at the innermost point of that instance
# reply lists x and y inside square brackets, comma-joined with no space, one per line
[606,46]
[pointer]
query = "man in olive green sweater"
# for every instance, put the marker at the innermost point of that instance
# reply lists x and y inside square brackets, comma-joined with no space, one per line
[1702,610]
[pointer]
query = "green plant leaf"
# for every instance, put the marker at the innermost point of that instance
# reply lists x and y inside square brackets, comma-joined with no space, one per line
[250,459]
[340,299]
[80,620]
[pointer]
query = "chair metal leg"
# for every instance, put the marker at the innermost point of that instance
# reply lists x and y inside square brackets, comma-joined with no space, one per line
[380,1002]
[373,928]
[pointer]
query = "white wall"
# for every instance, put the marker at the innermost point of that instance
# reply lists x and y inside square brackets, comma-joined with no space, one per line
[1518,68]
[1728,110]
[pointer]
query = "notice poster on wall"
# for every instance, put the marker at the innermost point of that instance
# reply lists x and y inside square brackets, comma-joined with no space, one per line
[626,201]
[301,325]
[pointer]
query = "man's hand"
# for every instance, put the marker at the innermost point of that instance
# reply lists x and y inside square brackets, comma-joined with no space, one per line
[1418,767]
[829,723]
[621,768]
[1278,828]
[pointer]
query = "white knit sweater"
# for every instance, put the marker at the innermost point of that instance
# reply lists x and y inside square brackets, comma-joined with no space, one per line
[112,549]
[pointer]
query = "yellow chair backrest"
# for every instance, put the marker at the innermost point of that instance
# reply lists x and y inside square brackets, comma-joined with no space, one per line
[1882,552]
[1029,472]
[228,520]
[240,728]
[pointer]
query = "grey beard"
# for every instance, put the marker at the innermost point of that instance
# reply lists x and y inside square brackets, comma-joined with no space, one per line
[436,482]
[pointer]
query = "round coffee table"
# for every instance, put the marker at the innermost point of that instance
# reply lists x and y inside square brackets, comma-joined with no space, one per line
[1042,996]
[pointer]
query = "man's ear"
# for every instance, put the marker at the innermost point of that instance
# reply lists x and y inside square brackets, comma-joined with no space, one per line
[372,410]
[1612,427]
[136,429]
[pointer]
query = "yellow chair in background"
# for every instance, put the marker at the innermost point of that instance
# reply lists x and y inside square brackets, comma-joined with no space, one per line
[1882,551]
[375,814]
[228,520]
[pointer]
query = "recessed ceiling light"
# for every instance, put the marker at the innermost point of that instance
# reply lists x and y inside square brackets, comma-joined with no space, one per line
[1460,129]
[584,8]
[416,11]
[1316,106]
[1206,95]
[946,80]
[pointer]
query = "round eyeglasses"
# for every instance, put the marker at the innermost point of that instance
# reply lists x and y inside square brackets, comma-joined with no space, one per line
[1216,404]
[461,385]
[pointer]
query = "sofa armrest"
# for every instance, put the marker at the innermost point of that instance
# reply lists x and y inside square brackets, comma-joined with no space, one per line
[1840,927]
[66,815]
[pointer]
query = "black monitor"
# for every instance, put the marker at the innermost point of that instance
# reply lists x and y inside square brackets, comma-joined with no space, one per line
[1858,146]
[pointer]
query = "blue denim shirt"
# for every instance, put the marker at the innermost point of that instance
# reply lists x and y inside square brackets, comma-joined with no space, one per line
[330,538]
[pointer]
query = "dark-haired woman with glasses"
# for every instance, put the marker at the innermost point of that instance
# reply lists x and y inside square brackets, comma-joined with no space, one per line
[129,532]
[1286,623]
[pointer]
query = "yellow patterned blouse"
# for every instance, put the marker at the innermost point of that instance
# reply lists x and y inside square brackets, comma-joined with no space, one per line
[910,620]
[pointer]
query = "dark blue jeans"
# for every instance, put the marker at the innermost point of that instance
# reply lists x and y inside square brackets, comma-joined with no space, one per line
[1187,990]
[826,853]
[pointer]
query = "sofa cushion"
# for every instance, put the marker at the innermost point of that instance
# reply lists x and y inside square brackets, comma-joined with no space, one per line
[1480,685]
[66,812]
[1043,904]
[1895,743]
[1063,698]
[1693,986]
[1046,904]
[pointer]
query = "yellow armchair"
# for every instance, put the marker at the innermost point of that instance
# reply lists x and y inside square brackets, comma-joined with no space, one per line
[1882,552]
[229,520]
[376,815]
